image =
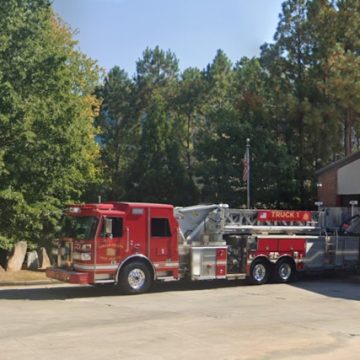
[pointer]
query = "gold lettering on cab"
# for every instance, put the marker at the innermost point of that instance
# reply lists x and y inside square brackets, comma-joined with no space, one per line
[111,252]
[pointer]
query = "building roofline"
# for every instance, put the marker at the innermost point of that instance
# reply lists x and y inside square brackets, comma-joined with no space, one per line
[339,163]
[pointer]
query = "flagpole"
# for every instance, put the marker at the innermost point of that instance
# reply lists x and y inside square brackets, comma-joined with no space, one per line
[248,173]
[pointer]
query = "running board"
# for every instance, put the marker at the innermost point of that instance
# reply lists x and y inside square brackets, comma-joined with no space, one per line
[166,278]
[104,281]
[240,276]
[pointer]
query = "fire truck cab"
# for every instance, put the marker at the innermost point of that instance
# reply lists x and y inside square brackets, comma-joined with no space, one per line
[129,244]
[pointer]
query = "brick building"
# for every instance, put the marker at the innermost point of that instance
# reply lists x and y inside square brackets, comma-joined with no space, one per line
[339,182]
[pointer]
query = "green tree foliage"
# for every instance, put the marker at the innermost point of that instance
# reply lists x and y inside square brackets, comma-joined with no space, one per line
[119,131]
[156,73]
[191,102]
[271,165]
[289,60]
[143,134]
[298,103]
[342,82]
[240,112]
[169,136]
[46,120]
[305,38]
[214,168]
[158,172]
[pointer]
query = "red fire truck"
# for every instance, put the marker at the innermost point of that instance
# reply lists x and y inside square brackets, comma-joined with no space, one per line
[131,245]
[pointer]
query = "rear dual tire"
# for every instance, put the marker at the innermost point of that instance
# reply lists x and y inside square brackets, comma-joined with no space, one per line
[259,272]
[284,271]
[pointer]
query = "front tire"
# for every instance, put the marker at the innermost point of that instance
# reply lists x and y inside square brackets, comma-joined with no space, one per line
[259,272]
[135,278]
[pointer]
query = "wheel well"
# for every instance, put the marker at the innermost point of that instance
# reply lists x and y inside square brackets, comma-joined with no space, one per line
[140,259]
[263,259]
[289,259]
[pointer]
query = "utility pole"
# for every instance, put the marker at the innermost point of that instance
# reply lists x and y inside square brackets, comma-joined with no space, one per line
[248,173]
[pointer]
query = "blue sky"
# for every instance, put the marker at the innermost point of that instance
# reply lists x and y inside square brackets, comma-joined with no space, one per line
[116,32]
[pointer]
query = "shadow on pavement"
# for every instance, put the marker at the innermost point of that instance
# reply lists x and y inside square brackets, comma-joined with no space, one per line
[71,292]
[341,286]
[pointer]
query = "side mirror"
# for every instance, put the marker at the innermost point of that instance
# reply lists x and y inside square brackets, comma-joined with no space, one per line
[108,227]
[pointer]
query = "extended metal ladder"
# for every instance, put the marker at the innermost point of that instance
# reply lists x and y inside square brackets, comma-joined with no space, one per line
[247,221]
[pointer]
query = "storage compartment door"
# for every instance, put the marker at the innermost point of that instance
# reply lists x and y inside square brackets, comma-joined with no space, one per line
[203,263]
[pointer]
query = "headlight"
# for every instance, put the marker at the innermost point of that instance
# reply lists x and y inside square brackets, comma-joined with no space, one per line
[85,256]
[81,256]
[86,247]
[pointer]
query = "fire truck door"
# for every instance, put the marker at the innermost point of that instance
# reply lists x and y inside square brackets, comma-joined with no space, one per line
[160,239]
[110,243]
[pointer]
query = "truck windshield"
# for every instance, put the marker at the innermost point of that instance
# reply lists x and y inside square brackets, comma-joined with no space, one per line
[82,228]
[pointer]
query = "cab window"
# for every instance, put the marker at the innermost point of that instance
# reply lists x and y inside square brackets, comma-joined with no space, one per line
[117,227]
[160,227]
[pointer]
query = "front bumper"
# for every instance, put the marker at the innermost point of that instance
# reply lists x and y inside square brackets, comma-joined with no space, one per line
[69,276]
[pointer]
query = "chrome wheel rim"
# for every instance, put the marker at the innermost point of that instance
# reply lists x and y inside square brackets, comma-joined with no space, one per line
[136,279]
[285,271]
[259,272]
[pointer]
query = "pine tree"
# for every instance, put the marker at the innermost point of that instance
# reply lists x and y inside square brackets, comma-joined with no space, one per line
[119,131]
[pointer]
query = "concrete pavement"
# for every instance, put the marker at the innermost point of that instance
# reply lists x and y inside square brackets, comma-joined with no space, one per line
[315,319]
